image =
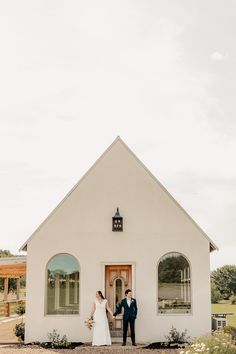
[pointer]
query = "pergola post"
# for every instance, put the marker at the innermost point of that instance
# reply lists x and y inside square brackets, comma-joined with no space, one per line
[18,288]
[5,289]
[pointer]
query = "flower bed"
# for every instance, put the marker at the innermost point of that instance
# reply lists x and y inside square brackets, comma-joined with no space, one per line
[215,343]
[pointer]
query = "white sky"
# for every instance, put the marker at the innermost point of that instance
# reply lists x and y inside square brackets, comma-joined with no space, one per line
[75,74]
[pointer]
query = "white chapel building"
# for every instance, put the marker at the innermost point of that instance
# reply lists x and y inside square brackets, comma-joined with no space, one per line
[118,228]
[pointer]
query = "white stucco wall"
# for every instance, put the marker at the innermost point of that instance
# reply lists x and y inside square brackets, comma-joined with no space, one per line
[153,226]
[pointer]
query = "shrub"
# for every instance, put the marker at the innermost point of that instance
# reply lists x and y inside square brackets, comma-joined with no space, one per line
[231,330]
[56,341]
[215,343]
[20,309]
[233,299]
[19,331]
[175,337]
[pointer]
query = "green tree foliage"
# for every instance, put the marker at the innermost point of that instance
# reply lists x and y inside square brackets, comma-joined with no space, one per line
[215,294]
[23,281]
[224,279]
[19,331]
[233,299]
[20,309]
[11,284]
[169,269]
[6,253]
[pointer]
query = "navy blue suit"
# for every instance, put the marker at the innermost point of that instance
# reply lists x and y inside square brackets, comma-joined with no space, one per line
[130,314]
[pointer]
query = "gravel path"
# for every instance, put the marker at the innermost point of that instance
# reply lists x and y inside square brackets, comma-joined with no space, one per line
[116,349]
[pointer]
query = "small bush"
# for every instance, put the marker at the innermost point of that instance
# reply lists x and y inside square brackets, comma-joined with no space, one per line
[56,341]
[175,337]
[19,331]
[175,340]
[233,299]
[20,309]
[215,343]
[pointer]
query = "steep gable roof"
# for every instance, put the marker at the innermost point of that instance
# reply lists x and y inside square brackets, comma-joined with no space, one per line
[212,246]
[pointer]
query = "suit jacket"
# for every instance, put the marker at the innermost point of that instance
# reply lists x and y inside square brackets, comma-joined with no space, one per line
[129,311]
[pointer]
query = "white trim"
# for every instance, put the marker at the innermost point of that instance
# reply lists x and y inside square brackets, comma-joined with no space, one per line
[46,287]
[191,285]
[212,246]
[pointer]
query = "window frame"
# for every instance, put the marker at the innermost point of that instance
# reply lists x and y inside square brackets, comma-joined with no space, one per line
[46,314]
[190,313]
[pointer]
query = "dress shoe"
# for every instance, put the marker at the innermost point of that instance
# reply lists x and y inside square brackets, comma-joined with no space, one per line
[123,344]
[134,344]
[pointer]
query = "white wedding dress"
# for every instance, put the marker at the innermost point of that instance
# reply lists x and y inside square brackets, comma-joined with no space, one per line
[101,332]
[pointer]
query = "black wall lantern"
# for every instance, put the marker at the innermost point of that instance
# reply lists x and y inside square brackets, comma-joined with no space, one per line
[117,222]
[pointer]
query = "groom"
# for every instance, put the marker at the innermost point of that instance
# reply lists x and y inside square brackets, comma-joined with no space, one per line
[130,313]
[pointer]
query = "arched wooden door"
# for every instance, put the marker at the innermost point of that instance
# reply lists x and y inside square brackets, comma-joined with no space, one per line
[118,278]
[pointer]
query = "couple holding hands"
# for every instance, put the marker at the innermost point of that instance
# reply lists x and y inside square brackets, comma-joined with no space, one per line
[101,332]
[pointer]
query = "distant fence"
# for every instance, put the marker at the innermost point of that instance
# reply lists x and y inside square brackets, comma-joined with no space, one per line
[8,308]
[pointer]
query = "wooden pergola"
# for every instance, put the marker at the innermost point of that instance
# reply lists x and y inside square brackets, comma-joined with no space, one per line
[12,267]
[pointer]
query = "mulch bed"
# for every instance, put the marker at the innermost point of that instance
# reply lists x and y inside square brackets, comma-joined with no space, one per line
[164,345]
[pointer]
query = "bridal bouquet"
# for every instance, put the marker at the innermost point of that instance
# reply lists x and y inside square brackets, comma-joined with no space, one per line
[89,323]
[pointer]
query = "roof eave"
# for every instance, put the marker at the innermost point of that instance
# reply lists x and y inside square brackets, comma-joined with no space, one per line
[23,248]
[213,247]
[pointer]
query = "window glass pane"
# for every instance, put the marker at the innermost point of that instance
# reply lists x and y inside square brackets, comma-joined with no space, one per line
[63,285]
[174,284]
[118,291]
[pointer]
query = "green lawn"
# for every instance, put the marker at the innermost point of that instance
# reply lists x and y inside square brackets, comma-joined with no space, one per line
[224,308]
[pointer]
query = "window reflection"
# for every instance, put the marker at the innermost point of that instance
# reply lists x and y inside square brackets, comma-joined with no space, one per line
[118,291]
[63,285]
[174,284]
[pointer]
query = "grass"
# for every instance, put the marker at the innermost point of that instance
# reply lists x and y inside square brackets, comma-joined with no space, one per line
[224,308]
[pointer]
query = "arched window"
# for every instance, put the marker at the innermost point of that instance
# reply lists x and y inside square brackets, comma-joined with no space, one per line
[63,273]
[119,290]
[174,284]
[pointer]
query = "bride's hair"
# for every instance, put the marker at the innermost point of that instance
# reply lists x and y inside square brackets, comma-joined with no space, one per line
[100,293]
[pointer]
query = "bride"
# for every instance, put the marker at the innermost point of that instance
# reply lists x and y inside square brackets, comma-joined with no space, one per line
[101,333]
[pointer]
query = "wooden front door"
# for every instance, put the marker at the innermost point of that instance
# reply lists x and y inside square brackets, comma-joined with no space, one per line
[118,278]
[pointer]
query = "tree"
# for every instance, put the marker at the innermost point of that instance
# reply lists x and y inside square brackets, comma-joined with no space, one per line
[169,269]
[215,294]
[6,253]
[224,279]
